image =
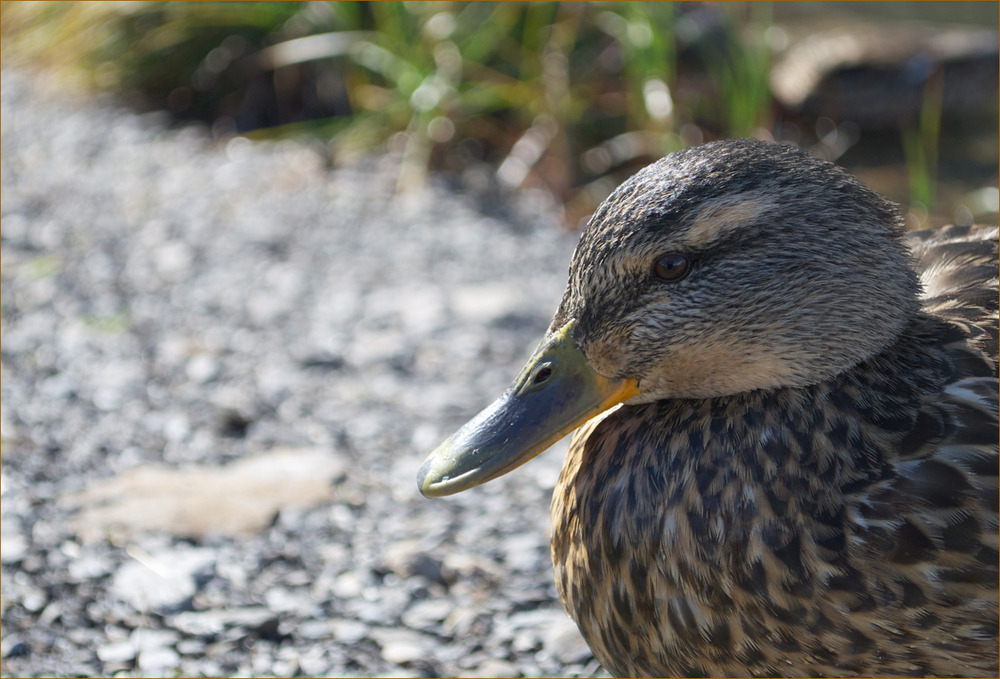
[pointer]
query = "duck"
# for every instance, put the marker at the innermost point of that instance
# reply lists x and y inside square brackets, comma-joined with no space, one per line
[785,459]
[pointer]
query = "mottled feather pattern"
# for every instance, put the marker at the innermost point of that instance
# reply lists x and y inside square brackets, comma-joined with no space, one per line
[771,534]
[846,527]
[959,276]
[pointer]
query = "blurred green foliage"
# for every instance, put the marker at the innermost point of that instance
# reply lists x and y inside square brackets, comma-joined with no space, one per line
[529,88]
[920,144]
[570,96]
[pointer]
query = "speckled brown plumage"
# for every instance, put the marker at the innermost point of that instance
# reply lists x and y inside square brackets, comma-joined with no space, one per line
[845,527]
[803,478]
[848,528]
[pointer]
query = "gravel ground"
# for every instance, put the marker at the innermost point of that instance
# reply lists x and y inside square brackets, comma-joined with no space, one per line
[222,366]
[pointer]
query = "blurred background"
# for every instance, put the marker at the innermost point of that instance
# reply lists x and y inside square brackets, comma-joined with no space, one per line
[568,97]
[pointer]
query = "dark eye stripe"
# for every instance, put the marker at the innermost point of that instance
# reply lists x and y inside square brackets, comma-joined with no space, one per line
[671,267]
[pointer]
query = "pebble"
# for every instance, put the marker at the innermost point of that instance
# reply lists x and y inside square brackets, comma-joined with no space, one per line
[158,661]
[314,629]
[314,662]
[347,586]
[13,544]
[118,652]
[13,646]
[204,623]
[495,667]
[161,581]
[33,599]
[427,566]
[88,567]
[348,631]
[190,646]
[202,368]
[282,600]
[146,638]
[213,622]
[563,641]
[427,614]
[402,646]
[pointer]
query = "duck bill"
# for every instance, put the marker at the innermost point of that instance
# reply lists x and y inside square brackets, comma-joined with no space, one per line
[555,393]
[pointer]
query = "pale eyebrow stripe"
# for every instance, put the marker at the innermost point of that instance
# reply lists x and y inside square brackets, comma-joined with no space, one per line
[722,216]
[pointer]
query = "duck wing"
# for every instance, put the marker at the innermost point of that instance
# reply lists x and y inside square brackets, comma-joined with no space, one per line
[958,270]
[949,460]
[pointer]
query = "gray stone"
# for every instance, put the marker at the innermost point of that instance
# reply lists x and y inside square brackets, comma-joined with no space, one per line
[162,580]
[211,623]
[562,640]
[315,629]
[202,368]
[117,652]
[402,647]
[33,599]
[494,667]
[314,662]
[194,647]
[284,600]
[147,638]
[158,660]
[88,567]
[13,544]
[427,614]
[14,646]
[348,631]
[200,624]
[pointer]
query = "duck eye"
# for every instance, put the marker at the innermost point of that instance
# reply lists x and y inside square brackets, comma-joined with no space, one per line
[544,373]
[671,267]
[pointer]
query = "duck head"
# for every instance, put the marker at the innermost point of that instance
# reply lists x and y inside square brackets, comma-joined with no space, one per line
[729,267]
